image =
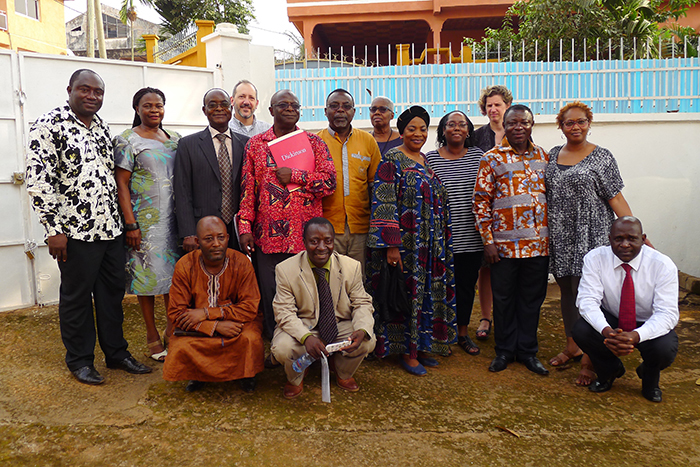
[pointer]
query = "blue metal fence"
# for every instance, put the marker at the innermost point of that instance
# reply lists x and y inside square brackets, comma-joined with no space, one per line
[608,86]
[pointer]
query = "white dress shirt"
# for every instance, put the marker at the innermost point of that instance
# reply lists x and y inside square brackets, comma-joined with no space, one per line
[655,290]
[217,143]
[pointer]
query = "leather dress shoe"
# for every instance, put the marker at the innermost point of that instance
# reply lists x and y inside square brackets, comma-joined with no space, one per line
[194,385]
[247,384]
[499,363]
[88,375]
[601,386]
[271,363]
[130,365]
[534,365]
[653,395]
[290,391]
[349,384]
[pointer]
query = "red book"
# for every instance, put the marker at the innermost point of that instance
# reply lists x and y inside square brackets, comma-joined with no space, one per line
[293,150]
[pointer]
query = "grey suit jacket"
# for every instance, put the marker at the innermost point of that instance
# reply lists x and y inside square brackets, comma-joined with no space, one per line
[198,180]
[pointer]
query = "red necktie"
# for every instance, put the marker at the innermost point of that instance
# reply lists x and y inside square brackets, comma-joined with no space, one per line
[628,308]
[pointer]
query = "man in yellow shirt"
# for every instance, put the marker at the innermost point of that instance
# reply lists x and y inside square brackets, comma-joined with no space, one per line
[356,157]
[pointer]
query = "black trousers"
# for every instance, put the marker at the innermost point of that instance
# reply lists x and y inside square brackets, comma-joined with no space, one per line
[265,269]
[657,354]
[519,288]
[94,270]
[467,267]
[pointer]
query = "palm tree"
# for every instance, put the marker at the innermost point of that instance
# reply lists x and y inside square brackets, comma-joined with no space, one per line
[127,14]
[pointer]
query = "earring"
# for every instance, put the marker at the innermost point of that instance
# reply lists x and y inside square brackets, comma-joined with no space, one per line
[561,136]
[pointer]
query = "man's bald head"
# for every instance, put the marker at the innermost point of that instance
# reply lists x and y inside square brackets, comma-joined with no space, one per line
[626,238]
[208,222]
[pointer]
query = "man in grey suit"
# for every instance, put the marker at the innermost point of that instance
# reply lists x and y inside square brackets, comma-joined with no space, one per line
[208,171]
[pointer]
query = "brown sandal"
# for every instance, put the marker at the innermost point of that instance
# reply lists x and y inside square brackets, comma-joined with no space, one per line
[564,359]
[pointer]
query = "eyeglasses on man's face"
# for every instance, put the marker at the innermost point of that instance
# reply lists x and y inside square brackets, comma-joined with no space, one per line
[223,104]
[525,124]
[286,105]
[345,106]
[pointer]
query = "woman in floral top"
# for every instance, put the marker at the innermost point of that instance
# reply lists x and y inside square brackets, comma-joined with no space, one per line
[145,159]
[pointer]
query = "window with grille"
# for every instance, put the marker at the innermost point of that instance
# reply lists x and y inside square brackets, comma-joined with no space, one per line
[113,27]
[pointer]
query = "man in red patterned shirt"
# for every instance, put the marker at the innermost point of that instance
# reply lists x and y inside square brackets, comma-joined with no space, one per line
[511,214]
[271,217]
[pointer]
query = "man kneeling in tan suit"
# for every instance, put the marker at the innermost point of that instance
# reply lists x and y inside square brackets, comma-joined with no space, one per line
[320,300]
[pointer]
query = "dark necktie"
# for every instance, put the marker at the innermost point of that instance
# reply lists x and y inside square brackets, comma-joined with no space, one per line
[226,183]
[628,308]
[327,325]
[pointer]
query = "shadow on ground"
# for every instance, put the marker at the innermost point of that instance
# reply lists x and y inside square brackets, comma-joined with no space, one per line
[455,416]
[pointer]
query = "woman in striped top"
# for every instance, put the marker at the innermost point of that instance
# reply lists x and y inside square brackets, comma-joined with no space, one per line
[456,162]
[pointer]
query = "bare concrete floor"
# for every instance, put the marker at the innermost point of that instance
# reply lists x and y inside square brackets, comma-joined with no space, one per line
[449,418]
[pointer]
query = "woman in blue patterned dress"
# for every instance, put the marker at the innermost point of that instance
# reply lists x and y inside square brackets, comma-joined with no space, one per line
[410,227]
[145,158]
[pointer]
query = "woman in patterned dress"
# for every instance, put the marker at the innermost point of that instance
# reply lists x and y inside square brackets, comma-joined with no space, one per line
[145,158]
[410,227]
[584,194]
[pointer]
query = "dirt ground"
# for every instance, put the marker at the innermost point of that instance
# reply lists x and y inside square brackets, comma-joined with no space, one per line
[455,416]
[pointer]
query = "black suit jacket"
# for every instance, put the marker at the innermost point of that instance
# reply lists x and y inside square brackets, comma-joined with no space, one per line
[198,180]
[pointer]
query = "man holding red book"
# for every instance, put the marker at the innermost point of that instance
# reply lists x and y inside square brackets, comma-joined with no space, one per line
[276,201]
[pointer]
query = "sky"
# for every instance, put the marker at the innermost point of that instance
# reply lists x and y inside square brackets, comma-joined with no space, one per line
[271,16]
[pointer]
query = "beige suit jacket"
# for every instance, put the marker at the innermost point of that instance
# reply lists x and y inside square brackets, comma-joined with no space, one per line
[296,302]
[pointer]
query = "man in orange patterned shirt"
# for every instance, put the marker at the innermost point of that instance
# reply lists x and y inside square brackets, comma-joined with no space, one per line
[511,214]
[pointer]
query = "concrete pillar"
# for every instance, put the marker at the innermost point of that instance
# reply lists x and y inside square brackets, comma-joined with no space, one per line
[151,46]
[236,58]
[403,54]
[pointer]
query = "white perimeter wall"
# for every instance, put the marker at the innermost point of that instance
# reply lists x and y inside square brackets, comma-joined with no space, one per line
[33,84]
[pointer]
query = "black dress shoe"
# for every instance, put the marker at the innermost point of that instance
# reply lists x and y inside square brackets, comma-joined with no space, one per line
[534,365]
[271,363]
[499,363]
[88,375]
[130,365]
[193,386]
[654,395]
[605,385]
[247,384]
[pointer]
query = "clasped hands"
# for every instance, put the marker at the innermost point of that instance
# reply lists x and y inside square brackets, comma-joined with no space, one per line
[315,346]
[191,317]
[620,342]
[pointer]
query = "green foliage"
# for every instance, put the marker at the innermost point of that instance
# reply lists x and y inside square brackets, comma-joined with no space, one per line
[550,29]
[178,15]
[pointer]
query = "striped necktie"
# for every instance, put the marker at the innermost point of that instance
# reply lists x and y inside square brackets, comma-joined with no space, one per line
[226,182]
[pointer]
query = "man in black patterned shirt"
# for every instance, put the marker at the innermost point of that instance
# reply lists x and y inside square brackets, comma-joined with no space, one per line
[70,180]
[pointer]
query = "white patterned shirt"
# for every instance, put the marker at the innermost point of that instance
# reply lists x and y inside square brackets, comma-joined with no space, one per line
[70,177]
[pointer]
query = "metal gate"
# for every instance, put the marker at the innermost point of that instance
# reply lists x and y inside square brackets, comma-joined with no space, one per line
[33,84]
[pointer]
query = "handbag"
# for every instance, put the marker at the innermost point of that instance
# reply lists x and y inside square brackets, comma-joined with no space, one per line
[391,300]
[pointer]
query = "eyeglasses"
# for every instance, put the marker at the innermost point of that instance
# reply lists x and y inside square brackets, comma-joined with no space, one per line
[346,107]
[526,124]
[581,122]
[223,104]
[452,125]
[381,109]
[286,105]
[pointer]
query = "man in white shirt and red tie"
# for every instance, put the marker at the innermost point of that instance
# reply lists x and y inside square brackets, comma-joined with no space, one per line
[628,298]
